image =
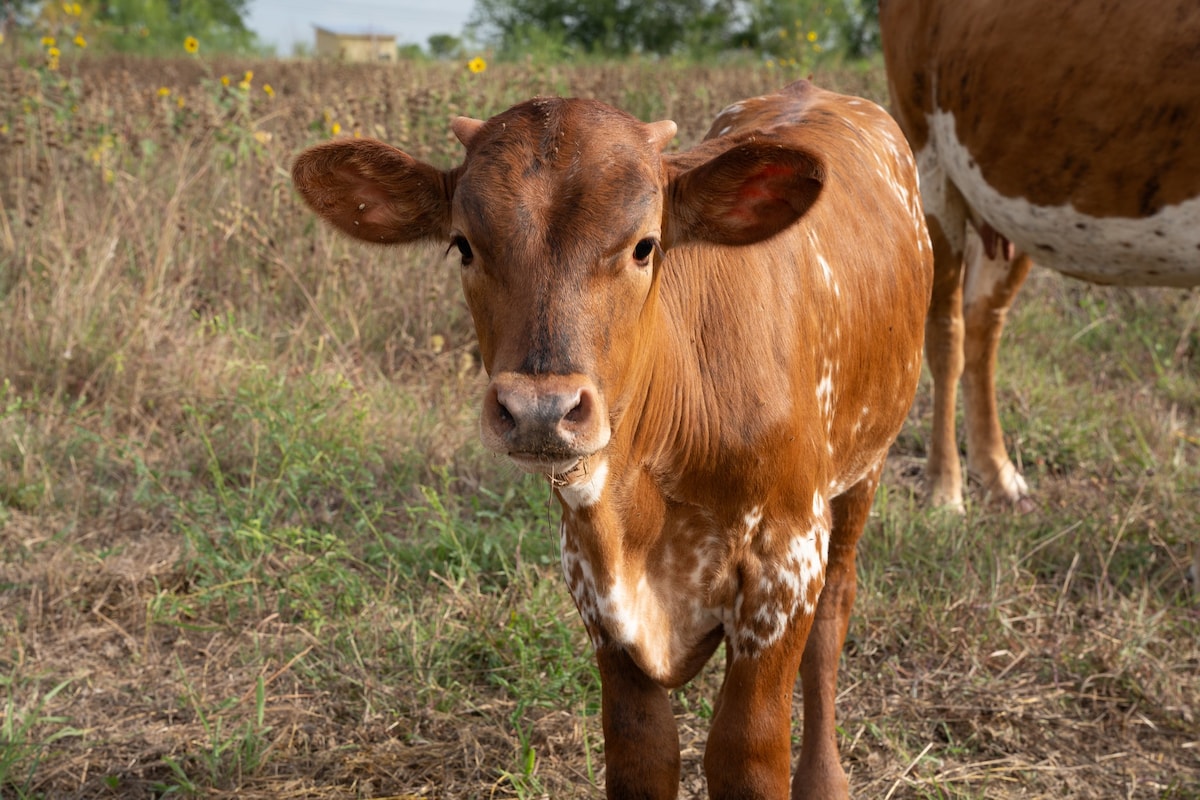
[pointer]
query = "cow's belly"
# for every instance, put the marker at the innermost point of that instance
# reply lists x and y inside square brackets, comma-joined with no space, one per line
[1161,250]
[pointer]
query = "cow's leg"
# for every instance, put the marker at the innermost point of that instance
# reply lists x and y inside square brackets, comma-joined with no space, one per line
[944,353]
[991,282]
[819,774]
[641,742]
[748,755]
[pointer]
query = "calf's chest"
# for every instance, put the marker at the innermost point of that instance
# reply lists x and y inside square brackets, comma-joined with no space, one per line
[661,595]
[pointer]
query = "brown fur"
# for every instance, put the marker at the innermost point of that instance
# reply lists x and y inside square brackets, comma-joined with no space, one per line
[1092,103]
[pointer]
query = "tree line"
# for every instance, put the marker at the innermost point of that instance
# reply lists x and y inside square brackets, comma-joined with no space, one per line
[790,30]
[139,26]
[780,28]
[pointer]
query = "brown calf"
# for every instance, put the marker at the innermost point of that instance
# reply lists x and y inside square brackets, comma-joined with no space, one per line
[1065,132]
[709,354]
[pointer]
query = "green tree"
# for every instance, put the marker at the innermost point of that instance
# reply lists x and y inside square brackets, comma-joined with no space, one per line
[14,13]
[162,25]
[857,26]
[796,29]
[805,28]
[602,27]
[445,46]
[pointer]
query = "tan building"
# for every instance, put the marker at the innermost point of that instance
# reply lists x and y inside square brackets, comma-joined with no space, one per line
[355,45]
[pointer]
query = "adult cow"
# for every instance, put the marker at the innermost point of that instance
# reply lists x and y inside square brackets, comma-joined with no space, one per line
[1066,132]
[709,353]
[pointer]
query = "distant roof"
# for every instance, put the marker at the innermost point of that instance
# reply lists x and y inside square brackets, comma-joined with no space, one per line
[365,31]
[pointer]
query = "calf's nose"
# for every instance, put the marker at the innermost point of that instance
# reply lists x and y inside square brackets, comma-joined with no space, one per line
[555,417]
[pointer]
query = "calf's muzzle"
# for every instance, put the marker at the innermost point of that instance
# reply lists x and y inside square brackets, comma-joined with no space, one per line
[544,422]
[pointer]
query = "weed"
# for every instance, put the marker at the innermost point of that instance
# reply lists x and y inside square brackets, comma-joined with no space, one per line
[24,742]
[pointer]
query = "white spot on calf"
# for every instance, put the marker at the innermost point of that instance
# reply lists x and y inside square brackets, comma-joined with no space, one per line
[617,606]
[585,491]
[581,583]
[786,587]
[818,505]
[825,393]
[825,269]
[753,517]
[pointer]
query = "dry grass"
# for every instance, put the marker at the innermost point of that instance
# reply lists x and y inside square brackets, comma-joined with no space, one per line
[252,549]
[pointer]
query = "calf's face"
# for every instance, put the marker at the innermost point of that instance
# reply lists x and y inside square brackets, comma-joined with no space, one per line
[558,217]
[560,214]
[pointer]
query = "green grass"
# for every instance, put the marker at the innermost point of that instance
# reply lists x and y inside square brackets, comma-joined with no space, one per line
[27,732]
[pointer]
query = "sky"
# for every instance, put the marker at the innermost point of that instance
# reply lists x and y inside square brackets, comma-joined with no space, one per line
[283,22]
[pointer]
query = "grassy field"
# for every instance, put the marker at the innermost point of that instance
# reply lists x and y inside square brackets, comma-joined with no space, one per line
[251,546]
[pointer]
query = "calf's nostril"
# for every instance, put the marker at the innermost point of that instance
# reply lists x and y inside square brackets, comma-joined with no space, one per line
[577,412]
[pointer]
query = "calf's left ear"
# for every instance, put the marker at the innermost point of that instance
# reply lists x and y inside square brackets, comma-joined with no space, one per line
[375,192]
[746,194]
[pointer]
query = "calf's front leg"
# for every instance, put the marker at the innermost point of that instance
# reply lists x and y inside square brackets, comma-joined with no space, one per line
[819,775]
[641,742]
[748,755]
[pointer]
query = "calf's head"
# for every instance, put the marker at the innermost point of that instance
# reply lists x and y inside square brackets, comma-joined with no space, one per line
[561,214]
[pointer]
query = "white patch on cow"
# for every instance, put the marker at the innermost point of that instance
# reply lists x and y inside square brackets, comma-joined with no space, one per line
[728,111]
[657,609]
[787,586]
[825,269]
[862,420]
[583,587]
[1158,250]
[825,392]
[753,517]
[826,396]
[806,563]
[585,491]
[818,505]
[637,620]
[983,275]
[939,197]
[619,607]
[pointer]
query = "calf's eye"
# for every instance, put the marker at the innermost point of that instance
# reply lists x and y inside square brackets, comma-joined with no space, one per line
[643,250]
[464,249]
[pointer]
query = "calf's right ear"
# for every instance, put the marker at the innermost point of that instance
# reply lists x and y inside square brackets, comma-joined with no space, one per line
[375,192]
[744,195]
